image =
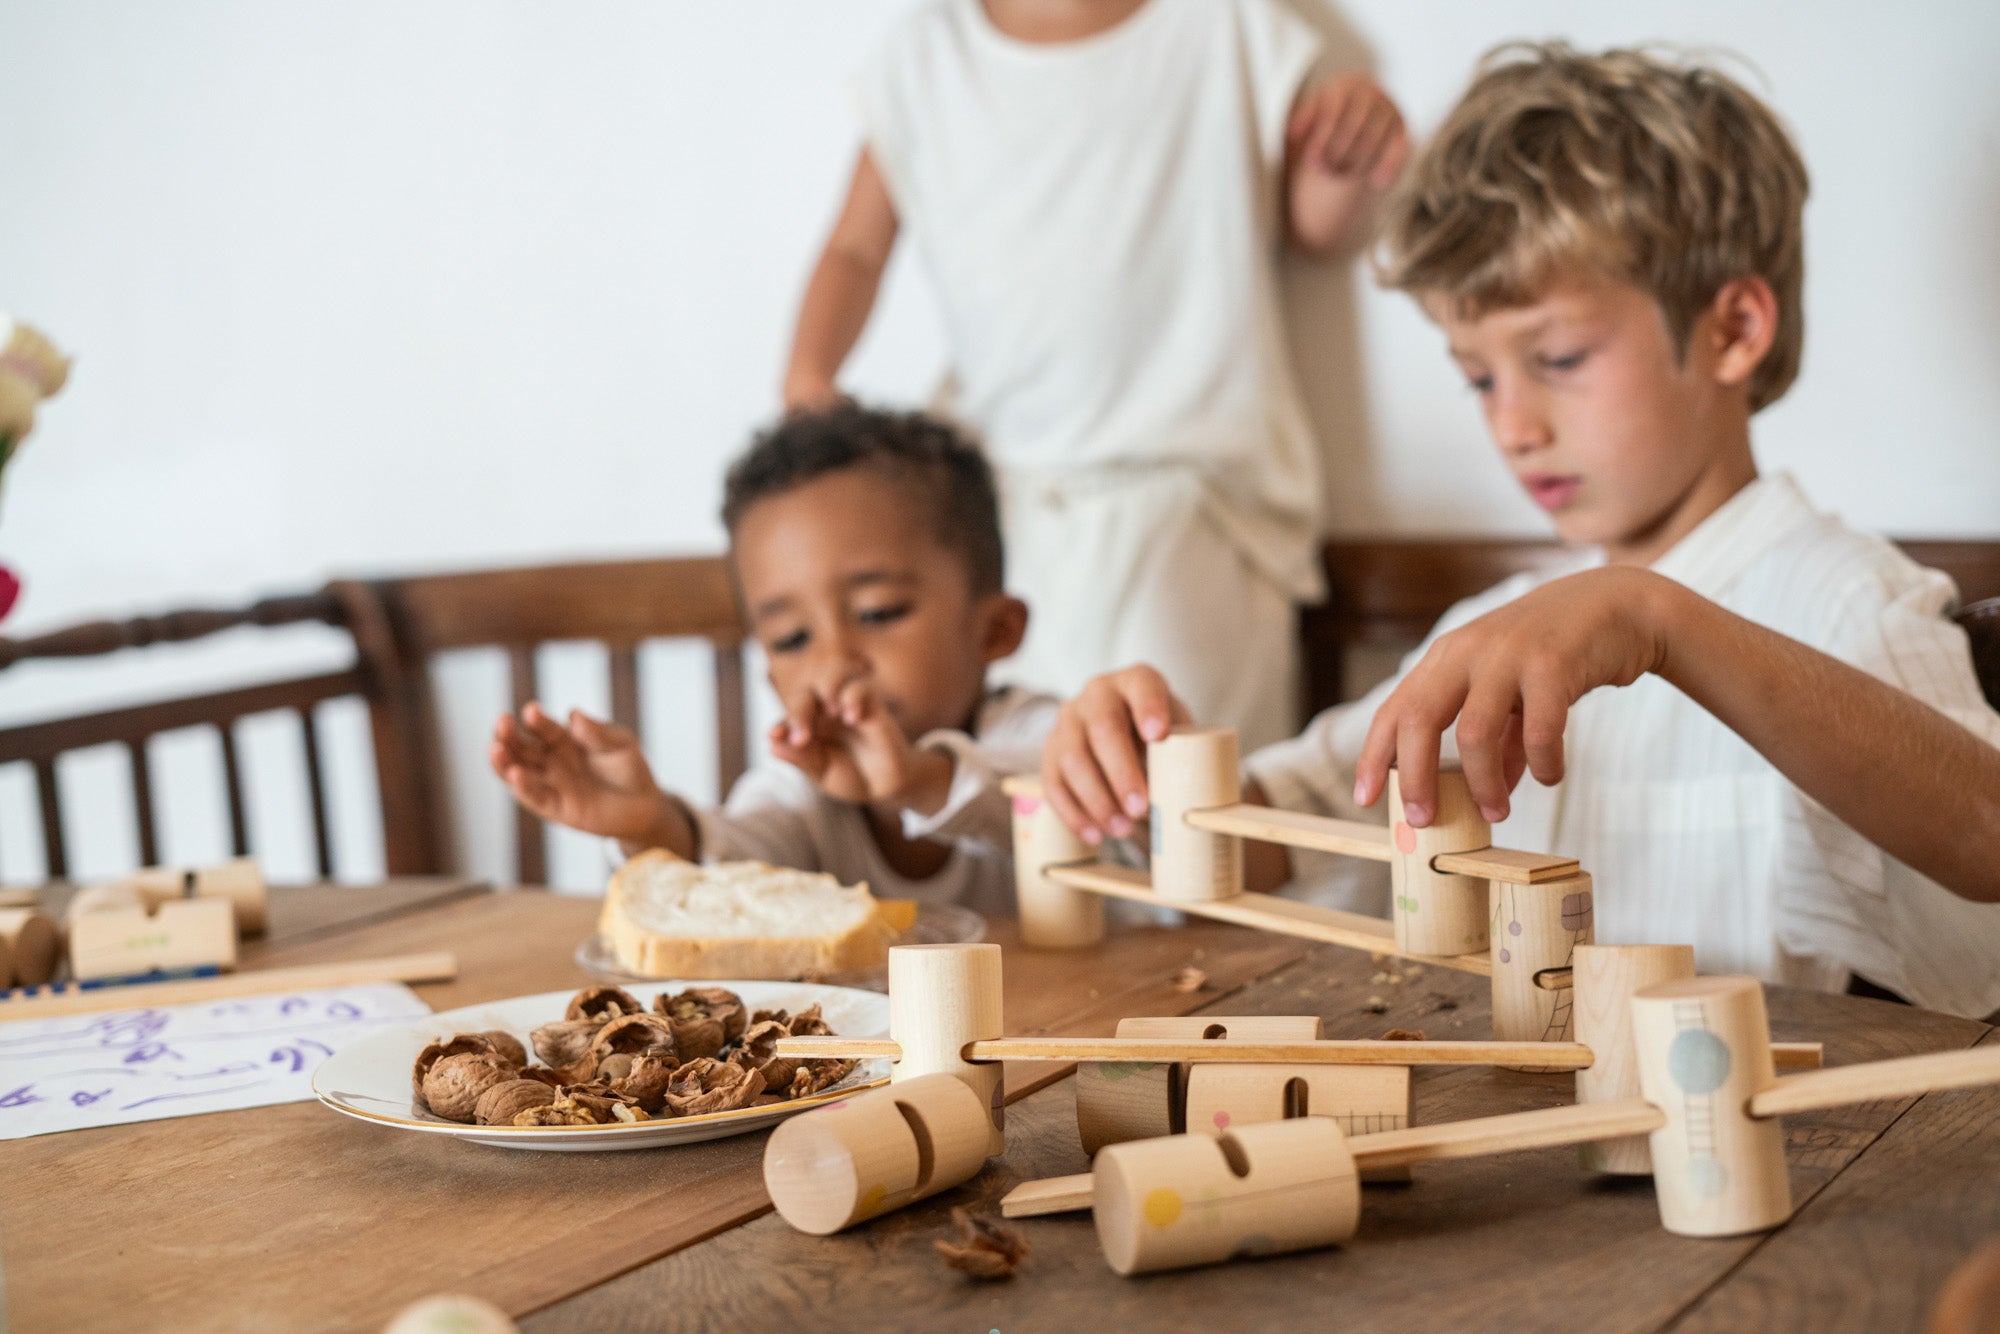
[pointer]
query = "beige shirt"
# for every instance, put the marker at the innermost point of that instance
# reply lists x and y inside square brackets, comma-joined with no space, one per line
[1691,835]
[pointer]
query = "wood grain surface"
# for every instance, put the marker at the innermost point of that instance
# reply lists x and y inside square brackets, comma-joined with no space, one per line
[1526,1241]
[295,1217]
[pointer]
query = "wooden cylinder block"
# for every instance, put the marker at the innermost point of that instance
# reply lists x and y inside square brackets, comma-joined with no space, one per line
[942,997]
[1606,978]
[1536,927]
[1191,769]
[240,881]
[1360,1099]
[1117,1101]
[1200,1199]
[848,1161]
[1436,913]
[1053,917]
[28,947]
[1704,1048]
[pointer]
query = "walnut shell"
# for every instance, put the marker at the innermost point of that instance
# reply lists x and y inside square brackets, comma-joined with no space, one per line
[717,1003]
[455,1084]
[507,1047]
[698,1037]
[759,1053]
[454,1045]
[555,1114]
[816,1075]
[500,1104]
[602,1003]
[561,1042]
[808,1023]
[712,1086]
[647,1079]
[634,1033]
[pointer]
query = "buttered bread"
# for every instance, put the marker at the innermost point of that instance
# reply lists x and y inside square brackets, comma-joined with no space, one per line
[665,917]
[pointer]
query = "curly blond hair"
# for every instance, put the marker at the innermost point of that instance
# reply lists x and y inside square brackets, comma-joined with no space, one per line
[1634,165]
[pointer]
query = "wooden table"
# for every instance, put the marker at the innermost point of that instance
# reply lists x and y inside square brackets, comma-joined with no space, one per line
[297,1218]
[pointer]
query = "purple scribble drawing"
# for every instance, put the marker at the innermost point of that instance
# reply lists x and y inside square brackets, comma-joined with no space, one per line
[293,1004]
[341,1009]
[151,1051]
[299,1057]
[21,1097]
[191,1093]
[84,1097]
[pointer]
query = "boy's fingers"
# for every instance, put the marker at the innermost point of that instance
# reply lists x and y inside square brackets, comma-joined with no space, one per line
[1148,703]
[1056,793]
[1483,727]
[1304,116]
[1544,715]
[853,702]
[1514,756]
[1369,141]
[542,727]
[1390,165]
[802,715]
[1117,756]
[594,734]
[1378,753]
[1353,115]
[1087,786]
[1416,770]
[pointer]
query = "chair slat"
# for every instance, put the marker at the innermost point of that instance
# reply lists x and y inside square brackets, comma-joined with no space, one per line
[316,792]
[731,725]
[47,795]
[530,859]
[232,777]
[140,755]
[625,686]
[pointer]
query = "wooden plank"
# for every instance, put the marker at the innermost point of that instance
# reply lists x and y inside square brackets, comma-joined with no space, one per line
[311,1219]
[1268,824]
[1554,1055]
[434,966]
[36,740]
[1507,865]
[1871,1250]
[1522,1241]
[1265,912]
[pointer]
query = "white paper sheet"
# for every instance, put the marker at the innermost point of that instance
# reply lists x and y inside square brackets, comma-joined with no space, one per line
[181,1060]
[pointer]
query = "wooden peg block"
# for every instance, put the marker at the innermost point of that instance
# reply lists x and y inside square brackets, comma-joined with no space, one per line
[1435,912]
[28,947]
[1361,1099]
[1605,979]
[849,1161]
[126,941]
[1191,769]
[942,997]
[1704,1046]
[241,881]
[1053,916]
[1200,1199]
[1534,928]
[1117,1101]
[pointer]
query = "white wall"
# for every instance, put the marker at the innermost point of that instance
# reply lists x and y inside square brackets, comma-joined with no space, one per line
[364,286]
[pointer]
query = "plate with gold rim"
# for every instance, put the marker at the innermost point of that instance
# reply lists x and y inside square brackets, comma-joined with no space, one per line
[370,1079]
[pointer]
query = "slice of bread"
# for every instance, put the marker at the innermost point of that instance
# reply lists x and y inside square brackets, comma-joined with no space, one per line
[665,917]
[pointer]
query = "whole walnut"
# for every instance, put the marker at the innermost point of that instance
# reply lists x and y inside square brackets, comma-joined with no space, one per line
[454,1045]
[603,1003]
[563,1041]
[455,1084]
[635,1033]
[499,1105]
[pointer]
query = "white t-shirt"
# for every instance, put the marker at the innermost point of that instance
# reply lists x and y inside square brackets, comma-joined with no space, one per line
[1102,220]
[1692,837]
[774,814]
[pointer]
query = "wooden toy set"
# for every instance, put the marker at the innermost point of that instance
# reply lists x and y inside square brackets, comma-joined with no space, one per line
[156,922]
[1223,1136]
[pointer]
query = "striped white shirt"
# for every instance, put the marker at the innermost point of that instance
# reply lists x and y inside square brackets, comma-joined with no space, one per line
[1691,835]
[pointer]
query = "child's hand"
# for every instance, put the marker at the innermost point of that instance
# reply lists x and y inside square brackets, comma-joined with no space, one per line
[590,776]
[1094,765]
[1347,127]
[853,750]
[1509,679]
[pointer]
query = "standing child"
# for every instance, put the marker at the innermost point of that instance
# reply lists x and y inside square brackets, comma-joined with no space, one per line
[1799,775]
[866,548]
[1100,190]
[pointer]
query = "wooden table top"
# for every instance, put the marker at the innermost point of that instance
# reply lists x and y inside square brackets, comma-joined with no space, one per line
[295,1217]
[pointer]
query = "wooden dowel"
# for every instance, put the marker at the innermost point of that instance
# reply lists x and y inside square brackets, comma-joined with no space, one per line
[1405,1148]
[437,966]
[1268,824]
[1266,912]
[1902,1077]
[1552,1055]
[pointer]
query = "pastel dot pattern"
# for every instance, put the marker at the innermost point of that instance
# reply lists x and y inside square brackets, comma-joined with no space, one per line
[1708,1177]
[1026,805]
[1698,1061]
[1162,1207]
[1222,1120]
[1406,838]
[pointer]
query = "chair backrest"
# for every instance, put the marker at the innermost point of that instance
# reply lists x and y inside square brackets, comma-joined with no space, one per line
[1388,592]
[42,744]
[400,625]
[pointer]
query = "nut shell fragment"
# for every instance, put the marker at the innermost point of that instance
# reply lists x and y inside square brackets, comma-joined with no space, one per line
[455,1084]
[647,1080]
[500,1104]
[633,1034]
[507,1047]
[708,1085]
[602,1003]
[717,1003]
[562,1041]
[816,1075]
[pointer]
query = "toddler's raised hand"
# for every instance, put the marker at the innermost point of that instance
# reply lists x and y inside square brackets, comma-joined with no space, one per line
[853,750]
[1347,126]
[1094,764]
[590,775]
[1509,679]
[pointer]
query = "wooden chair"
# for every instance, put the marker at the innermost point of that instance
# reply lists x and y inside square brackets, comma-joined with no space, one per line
[42,744]
[1388,592]
[398,627]
[401,625]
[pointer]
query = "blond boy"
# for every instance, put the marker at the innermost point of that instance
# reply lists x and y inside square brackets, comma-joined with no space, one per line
[1798,775]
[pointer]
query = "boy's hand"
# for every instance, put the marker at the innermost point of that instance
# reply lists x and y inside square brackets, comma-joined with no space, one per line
[590,776]
[1094,765]
[852,750]
[1347,128]
[1509,678]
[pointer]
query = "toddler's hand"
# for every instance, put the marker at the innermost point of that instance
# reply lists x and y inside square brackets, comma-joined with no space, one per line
[1509,678]
[590,776]
[1347,126]
[1094,765]
[847,743]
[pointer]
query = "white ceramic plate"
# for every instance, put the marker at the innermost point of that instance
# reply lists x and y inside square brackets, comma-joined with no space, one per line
[936,924]
[371,1078]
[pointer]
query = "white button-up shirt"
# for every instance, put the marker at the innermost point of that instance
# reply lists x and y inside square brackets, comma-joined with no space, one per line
[1691,835]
